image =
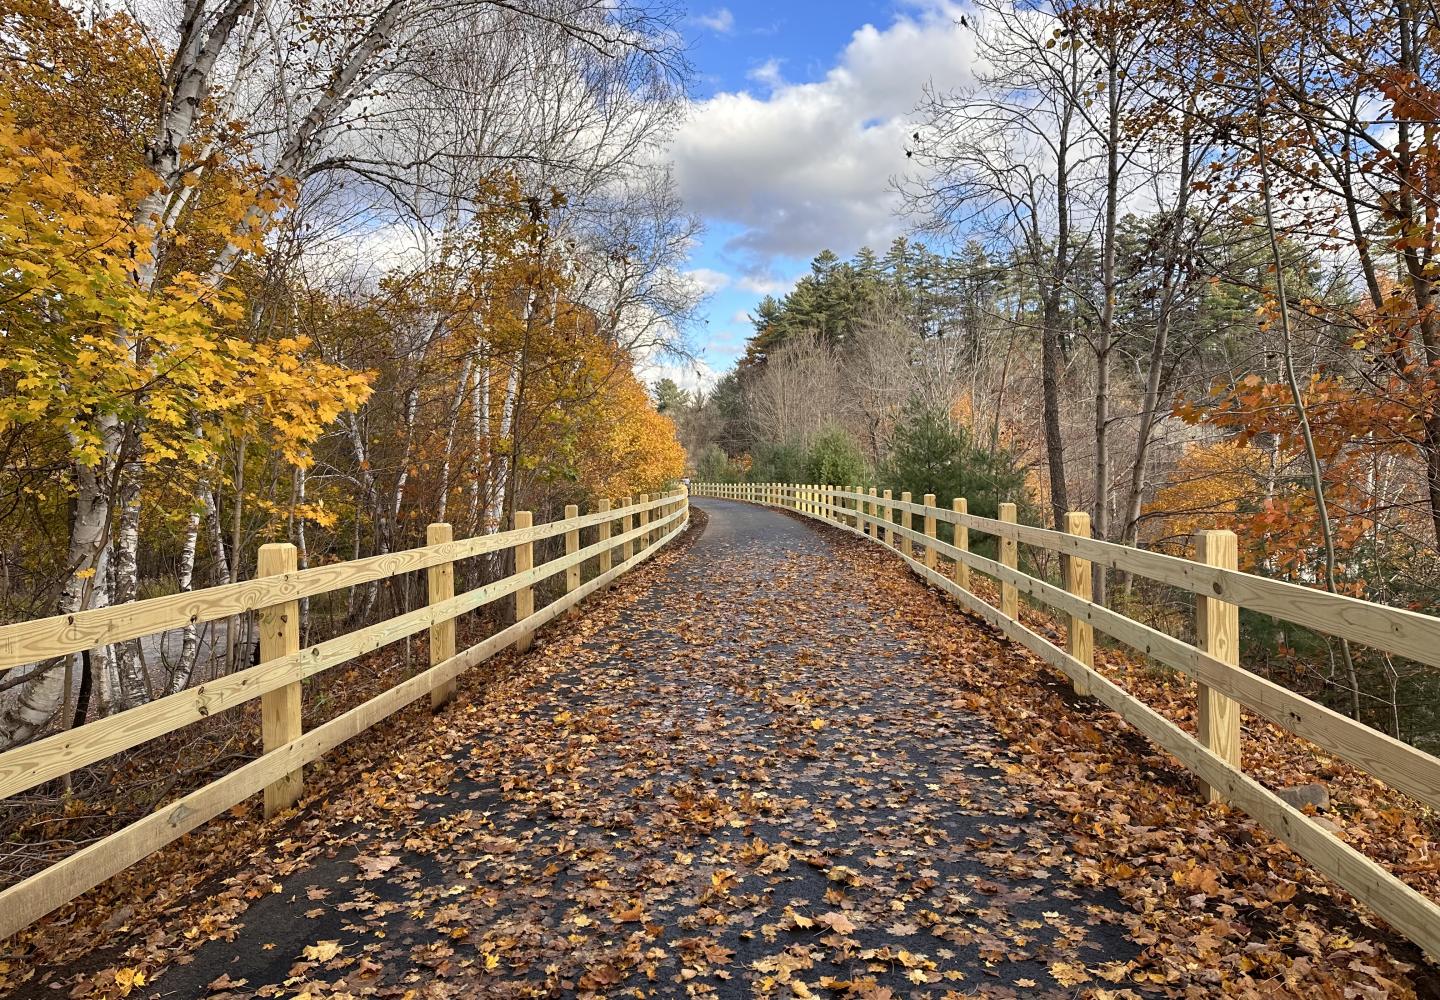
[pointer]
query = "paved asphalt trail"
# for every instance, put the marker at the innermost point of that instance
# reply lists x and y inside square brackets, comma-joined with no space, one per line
[741,783]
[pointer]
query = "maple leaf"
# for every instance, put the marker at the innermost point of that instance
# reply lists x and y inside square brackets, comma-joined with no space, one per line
[837,922]
[224,982]
[371,868]
[127,979]
[1069,973]
[321,951]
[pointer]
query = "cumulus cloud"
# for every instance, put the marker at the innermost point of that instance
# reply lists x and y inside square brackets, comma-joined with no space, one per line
[768,73]
[808,165]
[719,20]
[708,280]
[765,283]
[695,375]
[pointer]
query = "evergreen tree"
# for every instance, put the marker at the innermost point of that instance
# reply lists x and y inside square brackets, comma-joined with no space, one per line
[929,454]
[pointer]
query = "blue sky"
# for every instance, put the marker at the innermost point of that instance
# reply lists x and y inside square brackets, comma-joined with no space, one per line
[797,127]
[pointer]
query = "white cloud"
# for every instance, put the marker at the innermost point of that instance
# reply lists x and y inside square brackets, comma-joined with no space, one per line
[766,284]
[809,165]
[709,280]
[719,20]
[768,73]
[689,376]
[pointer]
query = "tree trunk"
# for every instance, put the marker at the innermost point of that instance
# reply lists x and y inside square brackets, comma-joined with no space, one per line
[133,687]
[1106,336]
[1052,367]
[190,638]
[41,695]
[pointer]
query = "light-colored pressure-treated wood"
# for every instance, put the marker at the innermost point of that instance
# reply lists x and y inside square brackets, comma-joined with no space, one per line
[1009,556]
[889,520]
[1079,635]
[907,523]
[627,524]
[1398,764]
[1413,914]
[1408,910]
[1214,667]
[572,545]
[279,627]
[525,596]
[962,542]
[1217,632]
[41,639]
[27,901]
[29,765]
[440,587]
[644,522]
[607,554]
[930,530]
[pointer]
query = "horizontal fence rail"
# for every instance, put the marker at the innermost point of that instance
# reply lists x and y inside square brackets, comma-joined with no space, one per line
[627,535]
[1213,662]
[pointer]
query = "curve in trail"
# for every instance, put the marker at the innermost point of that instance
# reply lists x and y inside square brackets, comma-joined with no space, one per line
[746,779]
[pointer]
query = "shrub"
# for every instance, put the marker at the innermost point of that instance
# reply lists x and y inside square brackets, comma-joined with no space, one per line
[929,454]
[714,466]
[778,463]
[835,459]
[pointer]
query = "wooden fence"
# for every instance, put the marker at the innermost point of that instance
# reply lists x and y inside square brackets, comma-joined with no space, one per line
[1220,590]
[625,536]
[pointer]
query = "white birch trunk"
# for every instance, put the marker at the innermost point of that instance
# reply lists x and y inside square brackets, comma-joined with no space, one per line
[500,469]
[41,696]
[190,637]
[480,429]
[131,686]
[462,386]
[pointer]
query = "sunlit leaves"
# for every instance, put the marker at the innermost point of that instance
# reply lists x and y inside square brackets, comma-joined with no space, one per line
[86,343]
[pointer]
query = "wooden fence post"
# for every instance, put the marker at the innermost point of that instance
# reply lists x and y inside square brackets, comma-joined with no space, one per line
[606,560]
[930,530]
[873,529]
[962,542]
[1217,632]
[525,596]
[907,522]
[572,546]
[1079,635]
[279,627]
[440,586]
[627,524]
[1009,556]
[644,524]
[889,519]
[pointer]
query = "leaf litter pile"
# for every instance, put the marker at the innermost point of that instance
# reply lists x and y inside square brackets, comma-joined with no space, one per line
[771,765]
